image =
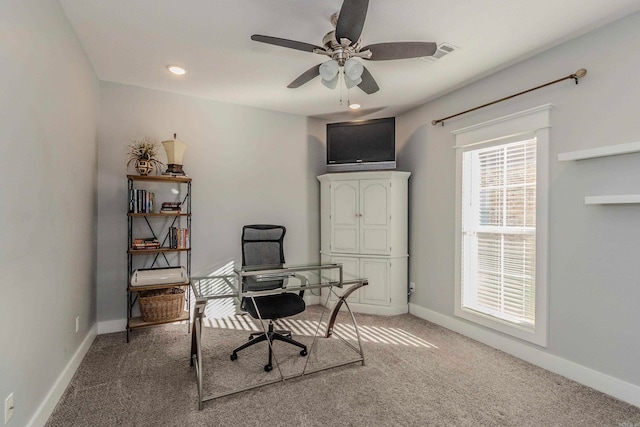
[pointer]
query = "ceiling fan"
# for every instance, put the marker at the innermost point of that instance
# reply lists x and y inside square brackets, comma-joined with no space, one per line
[343,45]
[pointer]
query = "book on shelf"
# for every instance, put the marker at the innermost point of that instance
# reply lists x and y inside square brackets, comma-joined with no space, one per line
[175,175]
[179,238]
[145,243]
[171,207]
[141,201]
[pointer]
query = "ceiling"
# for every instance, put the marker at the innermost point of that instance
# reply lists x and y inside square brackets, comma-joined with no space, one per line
[132,41]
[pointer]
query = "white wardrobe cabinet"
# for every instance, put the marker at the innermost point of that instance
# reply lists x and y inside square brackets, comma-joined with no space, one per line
[364,221]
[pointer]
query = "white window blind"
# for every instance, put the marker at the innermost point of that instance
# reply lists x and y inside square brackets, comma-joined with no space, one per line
[499,232]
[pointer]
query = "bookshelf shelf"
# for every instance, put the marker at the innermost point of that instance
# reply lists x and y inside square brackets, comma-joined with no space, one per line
[137,322]
[145,230]
[160,178]
[153,287]
[156,251]
[158,215]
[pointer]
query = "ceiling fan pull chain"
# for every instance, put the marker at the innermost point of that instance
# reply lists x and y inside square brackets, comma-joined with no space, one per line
[340,84]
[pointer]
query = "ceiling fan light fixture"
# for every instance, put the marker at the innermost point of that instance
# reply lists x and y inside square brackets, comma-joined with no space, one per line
[353,69]
[351,82]
[329,70]
[331,84]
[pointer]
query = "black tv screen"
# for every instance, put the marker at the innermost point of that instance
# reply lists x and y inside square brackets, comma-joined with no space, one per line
[362,145]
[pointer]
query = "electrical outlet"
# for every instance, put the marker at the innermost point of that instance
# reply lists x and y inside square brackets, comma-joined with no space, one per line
[77,324]
[412,287]
[8,408]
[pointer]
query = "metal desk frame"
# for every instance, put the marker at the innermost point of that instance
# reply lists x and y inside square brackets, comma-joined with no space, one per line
[271,274]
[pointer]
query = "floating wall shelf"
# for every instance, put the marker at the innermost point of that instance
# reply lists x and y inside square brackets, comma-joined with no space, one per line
[626,199]
[591,153]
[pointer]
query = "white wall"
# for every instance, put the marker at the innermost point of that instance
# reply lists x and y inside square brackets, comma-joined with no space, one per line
[48,156]
[594,273]
[248,166]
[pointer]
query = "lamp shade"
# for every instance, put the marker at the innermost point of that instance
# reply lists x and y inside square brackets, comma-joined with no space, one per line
[353,69]
[351,83]
[175,151]
[329,70]
[331,84]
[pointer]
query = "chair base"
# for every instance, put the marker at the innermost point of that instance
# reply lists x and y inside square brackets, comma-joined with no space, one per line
[272,336]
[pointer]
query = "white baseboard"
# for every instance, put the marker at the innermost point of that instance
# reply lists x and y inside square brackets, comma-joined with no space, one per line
[604,383]
[379,310]
[109,326]
[373,309]
[49,403]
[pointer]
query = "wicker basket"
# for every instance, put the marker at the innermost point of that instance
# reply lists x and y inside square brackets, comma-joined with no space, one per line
[160,305]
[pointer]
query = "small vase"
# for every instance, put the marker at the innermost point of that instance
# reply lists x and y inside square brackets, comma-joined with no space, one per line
[143,167]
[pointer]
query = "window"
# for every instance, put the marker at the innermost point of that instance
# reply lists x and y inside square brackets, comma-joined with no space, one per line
[501,221]
[498,229]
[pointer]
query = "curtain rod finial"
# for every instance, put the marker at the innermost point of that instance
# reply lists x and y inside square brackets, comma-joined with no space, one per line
[581,73]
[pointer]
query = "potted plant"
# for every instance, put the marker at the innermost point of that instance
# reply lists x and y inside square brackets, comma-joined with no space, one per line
[144,153]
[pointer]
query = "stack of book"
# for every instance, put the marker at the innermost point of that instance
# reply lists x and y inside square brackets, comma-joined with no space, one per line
[171,207]
[178,238]
[148,243]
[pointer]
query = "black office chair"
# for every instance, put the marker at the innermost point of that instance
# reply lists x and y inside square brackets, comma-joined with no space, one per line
[262,245]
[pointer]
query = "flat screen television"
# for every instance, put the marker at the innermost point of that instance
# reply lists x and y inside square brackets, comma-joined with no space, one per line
[361,145]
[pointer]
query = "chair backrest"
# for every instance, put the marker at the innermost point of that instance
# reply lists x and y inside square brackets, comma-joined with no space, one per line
[262,245]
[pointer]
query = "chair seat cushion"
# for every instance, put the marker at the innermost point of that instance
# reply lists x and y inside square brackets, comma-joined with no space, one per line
[275,306]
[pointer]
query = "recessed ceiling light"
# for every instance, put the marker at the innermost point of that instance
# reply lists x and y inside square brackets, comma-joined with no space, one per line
[354,106]
[176,70]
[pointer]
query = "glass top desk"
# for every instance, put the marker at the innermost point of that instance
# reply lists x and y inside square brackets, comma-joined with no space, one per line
[310,278]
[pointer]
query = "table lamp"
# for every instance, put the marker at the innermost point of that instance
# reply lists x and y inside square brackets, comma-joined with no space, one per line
[175,150]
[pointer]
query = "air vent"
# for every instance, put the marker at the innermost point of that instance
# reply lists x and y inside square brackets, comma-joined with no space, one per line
[443,49]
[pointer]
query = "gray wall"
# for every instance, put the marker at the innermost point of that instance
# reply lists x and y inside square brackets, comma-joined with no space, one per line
[248,166]
[594,285]
[48,156]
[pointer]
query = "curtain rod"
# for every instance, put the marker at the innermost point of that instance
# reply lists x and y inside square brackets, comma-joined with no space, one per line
[575,76]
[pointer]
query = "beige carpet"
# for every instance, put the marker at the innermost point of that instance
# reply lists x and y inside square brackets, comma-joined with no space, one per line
[416,374]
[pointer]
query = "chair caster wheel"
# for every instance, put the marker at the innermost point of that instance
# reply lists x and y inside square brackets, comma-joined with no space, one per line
[268,368]
[303,353]
[233,356]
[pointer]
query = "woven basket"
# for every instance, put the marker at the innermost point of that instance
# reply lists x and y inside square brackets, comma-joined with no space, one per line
[164,304]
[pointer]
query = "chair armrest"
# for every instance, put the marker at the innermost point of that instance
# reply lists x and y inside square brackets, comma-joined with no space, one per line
[304,280]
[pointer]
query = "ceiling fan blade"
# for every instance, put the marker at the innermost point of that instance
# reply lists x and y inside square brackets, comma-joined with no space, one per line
[400,50]
[291,44]
[368,84]
[351,20]
[305,77]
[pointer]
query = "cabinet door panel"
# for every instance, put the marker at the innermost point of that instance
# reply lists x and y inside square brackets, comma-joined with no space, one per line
[377,272]
[374,219]
[344,223]
[350,271]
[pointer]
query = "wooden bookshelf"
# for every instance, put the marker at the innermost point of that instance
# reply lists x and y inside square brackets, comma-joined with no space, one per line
[143,222]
